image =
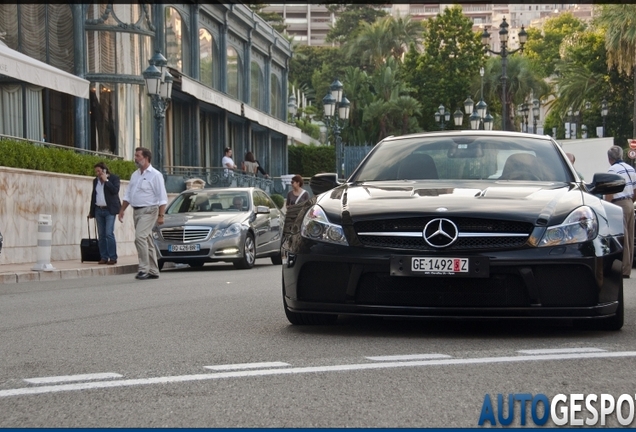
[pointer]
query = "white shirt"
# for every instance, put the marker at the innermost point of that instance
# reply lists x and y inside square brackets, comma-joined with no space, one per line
[628,173]
[100,198]
[225,161]
[147,189]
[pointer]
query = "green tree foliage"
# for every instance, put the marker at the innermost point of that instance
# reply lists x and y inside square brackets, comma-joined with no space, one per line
[307,60]
[349,19]
[583,77]
[272,18]
[619,23]
[307,160]
[441,75]
[523,83]
[384,38]
[544,48]
[391,107]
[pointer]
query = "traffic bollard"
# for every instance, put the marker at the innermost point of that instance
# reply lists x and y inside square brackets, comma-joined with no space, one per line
[45,237]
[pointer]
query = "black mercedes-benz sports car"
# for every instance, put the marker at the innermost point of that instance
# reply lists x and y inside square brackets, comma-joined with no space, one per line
[462,224]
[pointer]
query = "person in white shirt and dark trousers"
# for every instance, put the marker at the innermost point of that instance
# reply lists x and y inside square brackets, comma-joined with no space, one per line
[147,195]
[624,200]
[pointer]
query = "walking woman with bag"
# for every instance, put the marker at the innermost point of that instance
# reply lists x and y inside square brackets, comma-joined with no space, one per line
[297,194]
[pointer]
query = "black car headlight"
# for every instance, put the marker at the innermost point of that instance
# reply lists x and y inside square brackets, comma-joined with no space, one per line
[317,227]
[581,225]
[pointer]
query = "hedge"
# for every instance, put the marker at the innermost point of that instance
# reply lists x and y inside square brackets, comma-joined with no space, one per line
[26,155]
[308,160]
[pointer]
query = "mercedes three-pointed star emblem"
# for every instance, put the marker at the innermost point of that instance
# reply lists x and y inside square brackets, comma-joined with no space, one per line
[440,233]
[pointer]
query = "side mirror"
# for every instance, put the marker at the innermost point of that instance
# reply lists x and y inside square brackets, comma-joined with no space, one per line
[323,182]
[606,184]
[262,210]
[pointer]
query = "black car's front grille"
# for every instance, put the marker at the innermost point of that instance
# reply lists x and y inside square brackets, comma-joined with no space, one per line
[416,243]
[415,226]
[185,234]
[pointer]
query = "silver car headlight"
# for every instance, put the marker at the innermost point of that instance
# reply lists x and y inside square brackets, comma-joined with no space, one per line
[234,229]
[581,225]
[317,227]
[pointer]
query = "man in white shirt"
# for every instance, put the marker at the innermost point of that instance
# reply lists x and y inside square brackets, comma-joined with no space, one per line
[147,195]
[228,162]
[624,200]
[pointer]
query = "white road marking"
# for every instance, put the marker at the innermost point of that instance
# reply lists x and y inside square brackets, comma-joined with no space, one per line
[561,351]
[409,357]
[247,366]
[310,369]
[66,378]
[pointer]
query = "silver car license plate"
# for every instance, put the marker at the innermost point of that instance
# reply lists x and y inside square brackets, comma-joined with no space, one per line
[184,248]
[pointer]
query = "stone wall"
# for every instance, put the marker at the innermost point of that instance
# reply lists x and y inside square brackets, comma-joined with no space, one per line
[25,194]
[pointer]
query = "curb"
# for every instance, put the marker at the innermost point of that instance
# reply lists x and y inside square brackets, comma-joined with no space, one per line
[34,275]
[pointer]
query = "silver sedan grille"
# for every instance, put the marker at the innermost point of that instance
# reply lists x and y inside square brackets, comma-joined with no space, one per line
[185,234]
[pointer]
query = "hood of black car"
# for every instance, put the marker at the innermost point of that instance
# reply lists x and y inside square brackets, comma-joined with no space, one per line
[524,201]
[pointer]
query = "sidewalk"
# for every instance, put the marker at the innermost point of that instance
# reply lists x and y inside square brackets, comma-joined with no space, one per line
[71,269]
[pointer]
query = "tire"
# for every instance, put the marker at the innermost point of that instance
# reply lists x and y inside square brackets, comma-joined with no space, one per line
[277,259]
[613,323]
[616,322]
[296,318]
[249,254]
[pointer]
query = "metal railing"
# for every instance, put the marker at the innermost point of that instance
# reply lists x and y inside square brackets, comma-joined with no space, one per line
[222,177]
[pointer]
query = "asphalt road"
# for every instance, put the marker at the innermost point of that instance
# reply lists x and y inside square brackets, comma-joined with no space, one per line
[211,347]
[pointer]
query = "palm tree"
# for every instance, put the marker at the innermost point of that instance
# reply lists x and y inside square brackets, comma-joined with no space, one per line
[522,81]
[403,32]
[620,40]
[386,37]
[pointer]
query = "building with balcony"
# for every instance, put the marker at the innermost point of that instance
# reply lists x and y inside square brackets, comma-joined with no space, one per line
[307,23]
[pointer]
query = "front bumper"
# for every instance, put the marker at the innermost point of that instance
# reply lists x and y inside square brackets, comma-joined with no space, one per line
[212,250]
[576,281]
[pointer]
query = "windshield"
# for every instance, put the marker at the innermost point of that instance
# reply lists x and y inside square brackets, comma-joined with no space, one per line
[210,201]
[464,158]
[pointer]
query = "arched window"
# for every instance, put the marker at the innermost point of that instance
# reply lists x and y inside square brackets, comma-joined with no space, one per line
[256,86]
[177,42]
[206,58]
[234,73]
[275,97]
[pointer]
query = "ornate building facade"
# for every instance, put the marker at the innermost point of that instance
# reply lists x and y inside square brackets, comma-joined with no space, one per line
[229,68]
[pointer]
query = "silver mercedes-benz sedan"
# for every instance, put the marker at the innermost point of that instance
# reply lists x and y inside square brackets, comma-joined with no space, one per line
[234,225]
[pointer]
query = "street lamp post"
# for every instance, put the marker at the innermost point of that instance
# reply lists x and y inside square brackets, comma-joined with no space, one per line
[336,107]
[442,116]
[504,53]
[159,88]
[477,114]
[604,112]
[536,112]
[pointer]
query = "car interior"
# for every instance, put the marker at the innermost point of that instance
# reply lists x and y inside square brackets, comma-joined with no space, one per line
[467,158]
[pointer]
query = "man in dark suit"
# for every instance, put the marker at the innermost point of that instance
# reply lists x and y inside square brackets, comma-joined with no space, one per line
[105,205]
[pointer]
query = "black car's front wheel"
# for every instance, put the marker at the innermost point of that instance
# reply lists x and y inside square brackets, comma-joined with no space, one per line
[307,318]
[613,323]
[249,254]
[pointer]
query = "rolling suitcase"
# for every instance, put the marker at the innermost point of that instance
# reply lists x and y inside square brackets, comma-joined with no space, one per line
[88,246]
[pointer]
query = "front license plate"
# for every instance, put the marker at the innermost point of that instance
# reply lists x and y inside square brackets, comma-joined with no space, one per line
[440,266]
[184,248]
